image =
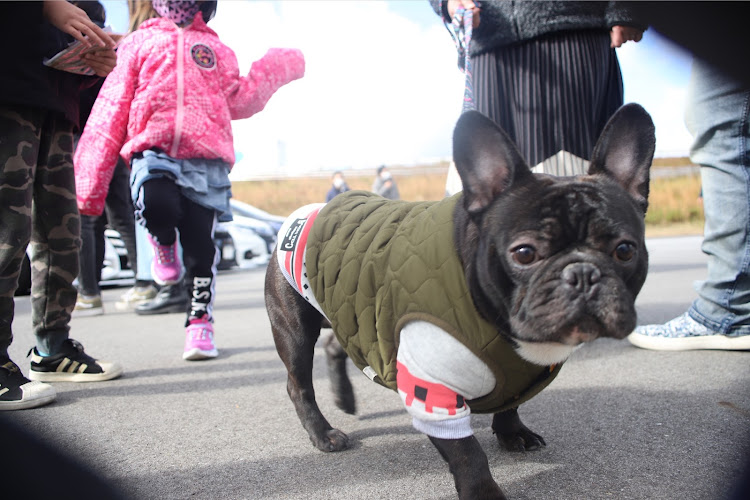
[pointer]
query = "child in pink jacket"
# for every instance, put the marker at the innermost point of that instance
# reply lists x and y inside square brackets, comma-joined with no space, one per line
[167,108]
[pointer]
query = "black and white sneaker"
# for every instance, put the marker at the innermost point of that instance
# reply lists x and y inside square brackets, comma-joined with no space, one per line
[19,393]
[71,364]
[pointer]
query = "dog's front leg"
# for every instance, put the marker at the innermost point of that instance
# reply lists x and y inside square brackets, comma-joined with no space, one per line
[471,471]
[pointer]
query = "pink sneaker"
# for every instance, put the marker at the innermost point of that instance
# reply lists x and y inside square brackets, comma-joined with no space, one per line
[166,268]
[199,340]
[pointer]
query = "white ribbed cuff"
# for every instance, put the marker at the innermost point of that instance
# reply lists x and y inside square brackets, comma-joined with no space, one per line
[454,428]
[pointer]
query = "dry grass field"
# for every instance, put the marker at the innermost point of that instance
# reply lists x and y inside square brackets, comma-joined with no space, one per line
[675,206]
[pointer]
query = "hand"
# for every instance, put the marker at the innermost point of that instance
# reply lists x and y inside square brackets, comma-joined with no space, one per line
[101,61]
[75,22]
[467,5]
[621,34]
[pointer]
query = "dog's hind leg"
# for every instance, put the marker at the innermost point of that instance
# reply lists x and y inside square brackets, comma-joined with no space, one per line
[343,393]
[512,434]
[295,325]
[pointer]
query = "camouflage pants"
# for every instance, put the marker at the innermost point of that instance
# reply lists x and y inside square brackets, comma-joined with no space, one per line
[38,204]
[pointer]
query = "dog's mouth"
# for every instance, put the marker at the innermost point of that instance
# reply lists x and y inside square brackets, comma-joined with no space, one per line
[554,351]
[578,336]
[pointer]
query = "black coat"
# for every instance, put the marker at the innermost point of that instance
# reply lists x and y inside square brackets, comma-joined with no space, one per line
[27,39]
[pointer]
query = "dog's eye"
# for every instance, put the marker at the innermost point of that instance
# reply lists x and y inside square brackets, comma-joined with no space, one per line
[524,255]
[624,252]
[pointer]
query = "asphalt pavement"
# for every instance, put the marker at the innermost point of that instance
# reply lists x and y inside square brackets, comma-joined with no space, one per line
[620,422]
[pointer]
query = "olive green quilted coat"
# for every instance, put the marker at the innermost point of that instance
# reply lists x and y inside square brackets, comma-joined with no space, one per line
[374,264]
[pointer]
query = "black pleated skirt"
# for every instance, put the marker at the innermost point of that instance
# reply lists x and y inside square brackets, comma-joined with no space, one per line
[551,94]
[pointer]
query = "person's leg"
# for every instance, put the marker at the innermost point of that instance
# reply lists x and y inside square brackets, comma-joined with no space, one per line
[121,217]
[201,257]
[159,204]
[55,239]
[56,242]
[119,208]
[717,117]
[89,302]
[20,130]
[720,123]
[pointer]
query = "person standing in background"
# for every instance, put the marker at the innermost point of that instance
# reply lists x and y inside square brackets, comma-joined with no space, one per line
[546,72]
[119,215]
[718,117]
[338,186]
[384,184]
[38,116]
[171,118]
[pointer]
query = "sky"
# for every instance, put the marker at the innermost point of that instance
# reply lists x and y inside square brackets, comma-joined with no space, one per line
[382,86]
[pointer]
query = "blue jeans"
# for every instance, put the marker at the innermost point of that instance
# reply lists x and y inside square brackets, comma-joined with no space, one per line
[717,117]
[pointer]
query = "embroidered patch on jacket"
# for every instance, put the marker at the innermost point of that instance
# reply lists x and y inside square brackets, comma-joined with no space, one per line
[203,56]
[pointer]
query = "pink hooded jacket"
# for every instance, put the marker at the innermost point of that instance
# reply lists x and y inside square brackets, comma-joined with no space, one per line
[175,89]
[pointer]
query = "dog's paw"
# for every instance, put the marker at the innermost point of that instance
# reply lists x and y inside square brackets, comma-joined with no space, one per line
[332,440]
[513,434]
[521,440]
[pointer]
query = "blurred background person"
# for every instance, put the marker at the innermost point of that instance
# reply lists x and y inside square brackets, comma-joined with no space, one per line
[384,184]
[338,186]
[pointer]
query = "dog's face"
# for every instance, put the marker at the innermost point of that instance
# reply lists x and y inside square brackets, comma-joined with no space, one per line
[555,261]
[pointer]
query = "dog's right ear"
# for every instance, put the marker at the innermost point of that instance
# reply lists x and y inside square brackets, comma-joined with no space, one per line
[486,159]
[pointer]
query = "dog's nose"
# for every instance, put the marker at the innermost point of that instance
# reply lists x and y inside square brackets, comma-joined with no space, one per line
[581,276]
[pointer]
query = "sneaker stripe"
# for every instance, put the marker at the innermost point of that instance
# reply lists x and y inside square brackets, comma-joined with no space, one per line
[73,366]
[3,391]
[63,365]
[82,368]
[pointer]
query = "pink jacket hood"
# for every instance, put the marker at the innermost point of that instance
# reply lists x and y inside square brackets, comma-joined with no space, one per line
[175,89]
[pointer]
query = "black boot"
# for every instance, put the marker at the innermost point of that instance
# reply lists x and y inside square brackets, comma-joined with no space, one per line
[170,299]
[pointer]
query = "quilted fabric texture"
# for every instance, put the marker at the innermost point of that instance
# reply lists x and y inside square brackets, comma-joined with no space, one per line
[374,264]
[175,89]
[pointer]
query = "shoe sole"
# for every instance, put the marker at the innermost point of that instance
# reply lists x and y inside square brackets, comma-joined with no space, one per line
[181,308]
[162,282]
[84,313]
[707,342]
[28,403]
[198,354]
[115,372]
[130,306]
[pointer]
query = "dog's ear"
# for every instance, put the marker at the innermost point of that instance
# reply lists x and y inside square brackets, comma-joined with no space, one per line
[625,151]
[486,160]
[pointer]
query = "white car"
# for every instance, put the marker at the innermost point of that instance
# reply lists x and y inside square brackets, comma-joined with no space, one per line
[250,248]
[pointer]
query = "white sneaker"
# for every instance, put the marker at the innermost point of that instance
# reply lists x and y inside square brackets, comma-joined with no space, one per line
[134,296]
[683,334]
[19,393]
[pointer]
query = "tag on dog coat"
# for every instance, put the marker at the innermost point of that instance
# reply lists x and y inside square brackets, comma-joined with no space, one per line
[370,372]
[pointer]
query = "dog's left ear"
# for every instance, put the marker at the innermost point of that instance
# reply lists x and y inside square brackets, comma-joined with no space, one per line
[486,160]
[625,151]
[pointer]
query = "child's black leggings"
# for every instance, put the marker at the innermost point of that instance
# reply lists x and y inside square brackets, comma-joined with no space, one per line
[166,209]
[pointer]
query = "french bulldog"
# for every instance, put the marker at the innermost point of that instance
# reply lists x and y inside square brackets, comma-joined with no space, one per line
[451,310]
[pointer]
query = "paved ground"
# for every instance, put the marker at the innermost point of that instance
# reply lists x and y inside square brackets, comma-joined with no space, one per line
[620,422]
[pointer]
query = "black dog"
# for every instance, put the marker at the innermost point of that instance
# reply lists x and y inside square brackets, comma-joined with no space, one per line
[470,303]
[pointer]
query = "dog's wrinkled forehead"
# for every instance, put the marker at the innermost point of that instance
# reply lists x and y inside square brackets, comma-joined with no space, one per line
[571,209]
